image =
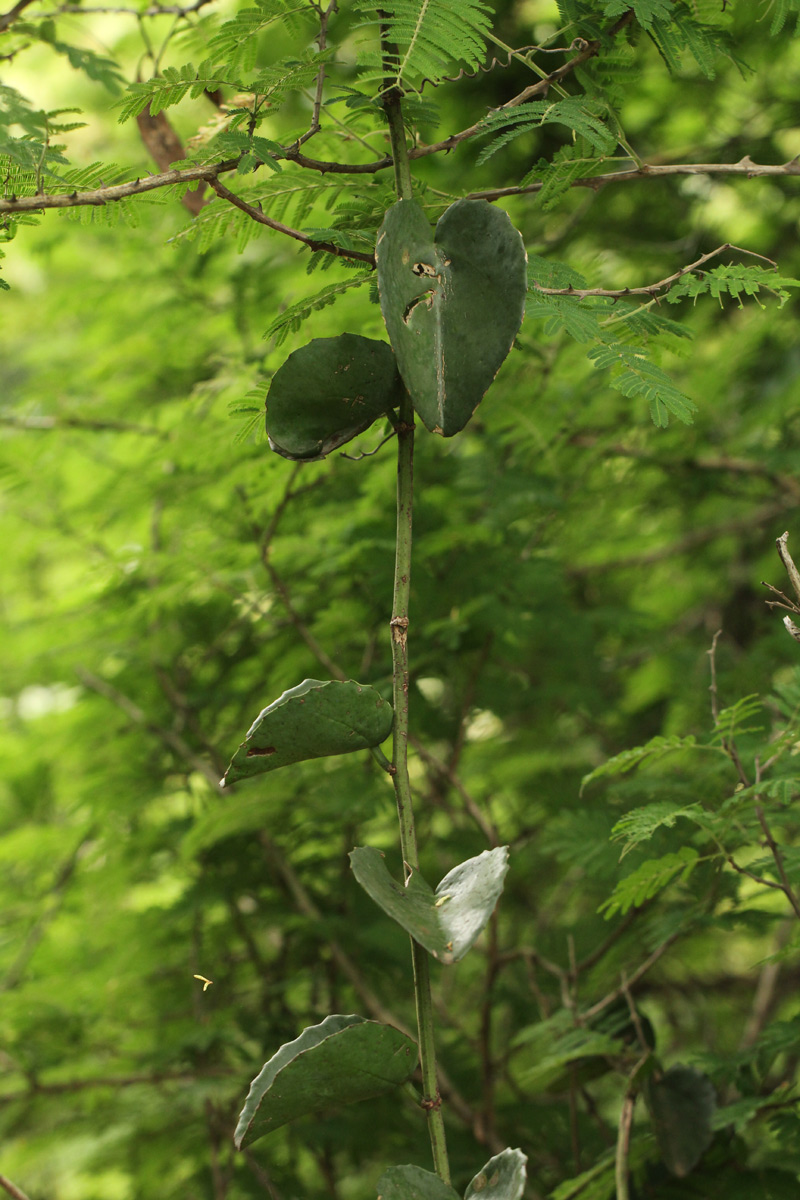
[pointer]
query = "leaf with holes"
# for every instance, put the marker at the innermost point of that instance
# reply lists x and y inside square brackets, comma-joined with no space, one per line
[503,1178]
[313,720]
[328,392]
[452,302]
[446,921]
[340,1061]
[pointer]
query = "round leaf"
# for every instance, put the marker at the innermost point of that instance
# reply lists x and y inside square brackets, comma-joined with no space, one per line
[413,1183]
[328,392]
[446,922]
[682,1104]
[344,1059]
[312,720]
[503,1178]
[452,303]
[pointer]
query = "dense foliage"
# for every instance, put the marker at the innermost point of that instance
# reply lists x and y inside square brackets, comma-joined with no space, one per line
[611,505]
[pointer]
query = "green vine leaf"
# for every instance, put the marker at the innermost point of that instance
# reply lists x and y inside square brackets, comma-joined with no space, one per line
[503,1178]
[446,921]
[452,303]
[682,1104]
[313,720]
[413,1183]
[328,392]
[340,1061]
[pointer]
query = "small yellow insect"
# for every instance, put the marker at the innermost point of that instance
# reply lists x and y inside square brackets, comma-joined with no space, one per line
[206,982]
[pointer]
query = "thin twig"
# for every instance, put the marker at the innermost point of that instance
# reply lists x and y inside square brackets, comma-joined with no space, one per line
[638,974]
[154,10]
[728,744]
[690,541]
[651,289]
[70,422]
[745,168]
[313,243]
[486,826]
[774,850]
[701,462]
[63,877]
[788,562]
[111,194]
[153,1079]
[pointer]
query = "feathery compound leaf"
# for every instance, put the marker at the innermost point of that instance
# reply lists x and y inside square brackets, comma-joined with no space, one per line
[629,759]
[648,879]
[290,320]
[431,39]
[640,825]
[575,113]
[645,11]
[557,175]
[733,279]
[635,375]
[171,87]
[236,42]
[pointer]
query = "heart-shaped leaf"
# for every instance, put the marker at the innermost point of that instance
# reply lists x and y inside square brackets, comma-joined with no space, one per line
[312,720]
[682,1103]
[452,303]
[344,1059]
[503,1178]
[446,922]
[328,392]
[413,1183]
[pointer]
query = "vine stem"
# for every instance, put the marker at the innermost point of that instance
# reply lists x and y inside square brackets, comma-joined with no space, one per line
[431,1099]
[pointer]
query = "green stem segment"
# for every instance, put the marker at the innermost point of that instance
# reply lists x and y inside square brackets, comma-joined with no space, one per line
[397,134]
[431,1100]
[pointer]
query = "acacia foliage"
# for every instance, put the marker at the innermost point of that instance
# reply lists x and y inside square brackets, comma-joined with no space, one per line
[572,564]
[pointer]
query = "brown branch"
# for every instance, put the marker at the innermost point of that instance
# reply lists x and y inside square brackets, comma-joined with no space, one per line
[114,1081]
[171,739]
[703,462]
[774,850]
[69,422]
[485,825]
[651,289]
[697,537]
[166,148]
[587,51]
[155,10]
[10,17]
[12,1189]
[106,195]
[788,562]
[640,971]
[744,167]
[279,227]
[36,932]
[728,744]
[118,191]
